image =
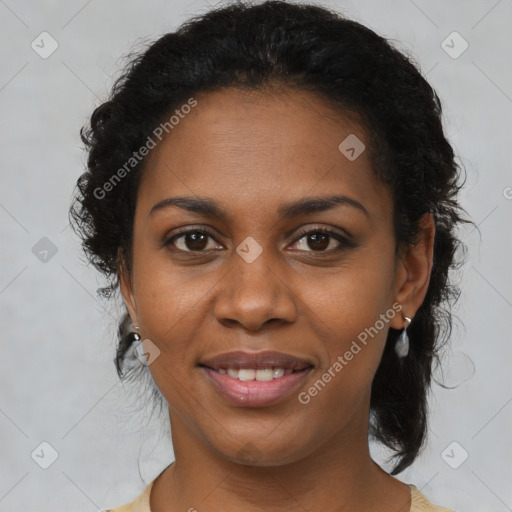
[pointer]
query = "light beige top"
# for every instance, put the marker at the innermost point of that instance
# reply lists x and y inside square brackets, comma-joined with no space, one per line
[419,502]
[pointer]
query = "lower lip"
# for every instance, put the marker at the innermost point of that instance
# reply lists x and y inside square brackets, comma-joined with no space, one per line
[255,393]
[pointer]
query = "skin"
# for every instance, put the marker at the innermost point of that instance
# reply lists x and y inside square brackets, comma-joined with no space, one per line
[251,152]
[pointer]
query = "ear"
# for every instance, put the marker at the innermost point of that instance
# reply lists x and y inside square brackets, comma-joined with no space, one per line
[126,286]
[413,272]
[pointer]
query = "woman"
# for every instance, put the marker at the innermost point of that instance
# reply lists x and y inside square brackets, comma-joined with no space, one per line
[270,189]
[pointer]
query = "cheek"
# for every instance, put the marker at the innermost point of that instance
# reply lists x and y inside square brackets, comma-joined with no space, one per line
[168,301]
[352,309]
[352,298]
[175,304]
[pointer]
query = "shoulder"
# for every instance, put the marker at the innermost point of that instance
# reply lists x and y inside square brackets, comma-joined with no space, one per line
[420,503]
[139,504]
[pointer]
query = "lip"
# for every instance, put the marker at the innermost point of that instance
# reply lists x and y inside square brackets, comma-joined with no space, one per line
[257,360]
[254,393]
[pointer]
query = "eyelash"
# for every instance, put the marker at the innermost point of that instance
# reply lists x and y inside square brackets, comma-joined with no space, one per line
[344,242]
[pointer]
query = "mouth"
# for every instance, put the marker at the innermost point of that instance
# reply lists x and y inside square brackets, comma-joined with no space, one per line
[255,379]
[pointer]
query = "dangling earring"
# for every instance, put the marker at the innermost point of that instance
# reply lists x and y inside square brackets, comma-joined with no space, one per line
[135,336]
[125,343]
[402,343]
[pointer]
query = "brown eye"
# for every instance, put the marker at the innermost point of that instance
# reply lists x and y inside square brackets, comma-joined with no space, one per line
[191,241]
[318,241]
[321,240]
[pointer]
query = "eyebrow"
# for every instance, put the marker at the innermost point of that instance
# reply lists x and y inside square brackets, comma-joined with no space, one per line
[303,206]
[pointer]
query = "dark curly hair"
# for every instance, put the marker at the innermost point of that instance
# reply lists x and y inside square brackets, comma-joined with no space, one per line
[357,72]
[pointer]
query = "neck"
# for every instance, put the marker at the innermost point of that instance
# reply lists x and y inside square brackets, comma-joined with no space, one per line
[340,476]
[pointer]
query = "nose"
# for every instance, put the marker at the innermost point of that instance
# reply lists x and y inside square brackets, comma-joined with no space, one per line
[255,294]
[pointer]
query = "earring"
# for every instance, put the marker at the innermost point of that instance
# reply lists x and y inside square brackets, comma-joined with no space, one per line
[402,343]
[135,336]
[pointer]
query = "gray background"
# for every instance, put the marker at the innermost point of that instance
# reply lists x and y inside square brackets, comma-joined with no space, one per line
[58,383]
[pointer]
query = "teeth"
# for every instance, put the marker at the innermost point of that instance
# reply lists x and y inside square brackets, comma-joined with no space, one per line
[233,373]
[247,374]
[278,372]
[265,374]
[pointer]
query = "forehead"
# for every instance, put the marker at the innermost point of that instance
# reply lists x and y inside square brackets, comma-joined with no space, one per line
[258,148]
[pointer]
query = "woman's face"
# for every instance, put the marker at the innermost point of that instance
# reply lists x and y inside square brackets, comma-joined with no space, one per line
[248,278]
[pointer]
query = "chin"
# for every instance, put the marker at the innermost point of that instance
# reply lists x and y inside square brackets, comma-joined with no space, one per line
[264,454]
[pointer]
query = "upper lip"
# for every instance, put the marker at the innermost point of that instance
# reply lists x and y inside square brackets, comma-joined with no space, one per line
[256,360]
